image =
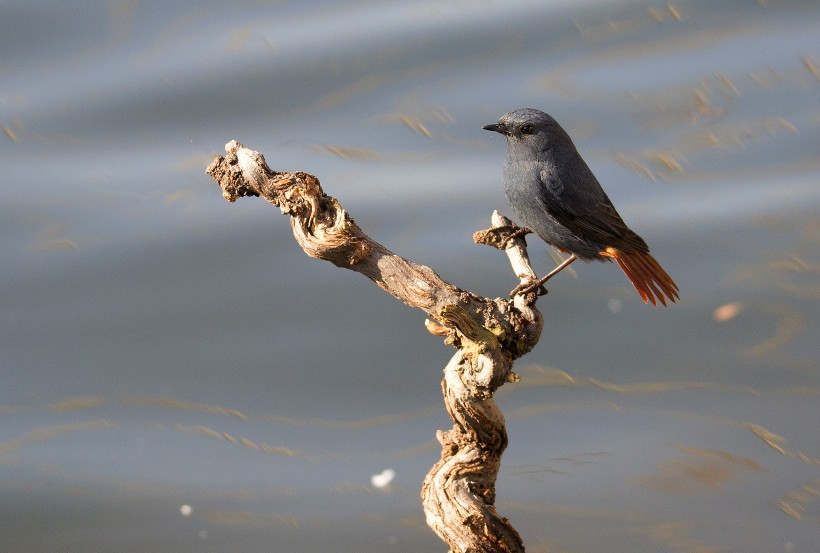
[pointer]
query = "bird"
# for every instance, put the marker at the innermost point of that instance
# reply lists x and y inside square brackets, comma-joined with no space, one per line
[553,192]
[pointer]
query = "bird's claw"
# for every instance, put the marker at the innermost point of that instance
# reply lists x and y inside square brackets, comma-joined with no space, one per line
[528,287]
[518,232]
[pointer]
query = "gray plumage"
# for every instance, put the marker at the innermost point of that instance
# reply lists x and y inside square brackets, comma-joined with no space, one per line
[554,193]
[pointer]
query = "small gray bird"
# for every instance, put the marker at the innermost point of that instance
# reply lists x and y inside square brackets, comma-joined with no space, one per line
[553,192]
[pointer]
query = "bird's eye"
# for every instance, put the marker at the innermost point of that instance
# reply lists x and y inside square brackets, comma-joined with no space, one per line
[527,129]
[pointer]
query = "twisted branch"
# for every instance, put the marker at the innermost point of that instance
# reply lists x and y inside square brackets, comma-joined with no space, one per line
[458,494]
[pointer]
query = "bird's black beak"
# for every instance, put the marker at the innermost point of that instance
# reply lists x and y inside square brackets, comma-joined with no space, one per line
[499,127]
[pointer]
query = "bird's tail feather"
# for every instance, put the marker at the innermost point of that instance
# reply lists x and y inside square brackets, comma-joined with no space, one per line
[646,275]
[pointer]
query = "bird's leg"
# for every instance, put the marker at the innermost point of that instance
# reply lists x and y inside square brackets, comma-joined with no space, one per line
[532,286]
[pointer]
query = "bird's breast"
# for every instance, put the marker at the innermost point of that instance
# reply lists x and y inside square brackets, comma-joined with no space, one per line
[525,188]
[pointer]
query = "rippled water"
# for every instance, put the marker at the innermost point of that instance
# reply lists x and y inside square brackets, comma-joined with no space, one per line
[177,375]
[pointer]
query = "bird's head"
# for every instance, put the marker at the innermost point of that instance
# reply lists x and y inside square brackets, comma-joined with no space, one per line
[528,129]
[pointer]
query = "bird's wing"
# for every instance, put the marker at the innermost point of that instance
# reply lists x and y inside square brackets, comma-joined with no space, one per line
[586,210]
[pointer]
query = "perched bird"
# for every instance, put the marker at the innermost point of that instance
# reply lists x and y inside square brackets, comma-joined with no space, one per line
[554,193]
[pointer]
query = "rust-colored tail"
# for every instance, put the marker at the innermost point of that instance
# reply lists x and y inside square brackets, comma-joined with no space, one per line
[646,275]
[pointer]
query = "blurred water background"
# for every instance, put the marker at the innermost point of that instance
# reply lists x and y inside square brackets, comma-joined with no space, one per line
[178,376]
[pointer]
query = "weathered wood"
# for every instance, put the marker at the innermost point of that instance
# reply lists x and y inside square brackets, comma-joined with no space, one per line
[458,494]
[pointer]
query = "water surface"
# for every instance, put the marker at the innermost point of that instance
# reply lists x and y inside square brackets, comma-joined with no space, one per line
[161,348]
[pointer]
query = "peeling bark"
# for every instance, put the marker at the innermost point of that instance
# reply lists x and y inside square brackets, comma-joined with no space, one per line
[458,493]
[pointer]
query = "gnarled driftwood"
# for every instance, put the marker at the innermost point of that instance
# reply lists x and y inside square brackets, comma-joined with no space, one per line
[459,491]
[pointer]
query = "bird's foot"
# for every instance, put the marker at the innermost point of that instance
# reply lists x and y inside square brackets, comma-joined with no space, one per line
[532,286]
[519,231]
[524,288]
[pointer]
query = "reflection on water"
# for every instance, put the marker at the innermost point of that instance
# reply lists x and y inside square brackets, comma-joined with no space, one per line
[178,376]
